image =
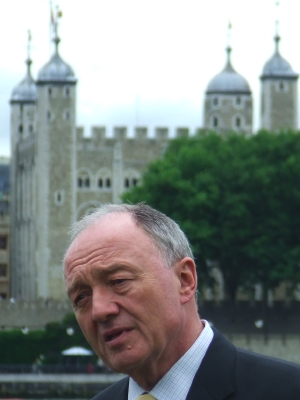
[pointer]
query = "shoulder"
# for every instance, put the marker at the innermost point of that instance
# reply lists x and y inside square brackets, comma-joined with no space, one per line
[117,391]
[248,375]
[262,362]
[267,375]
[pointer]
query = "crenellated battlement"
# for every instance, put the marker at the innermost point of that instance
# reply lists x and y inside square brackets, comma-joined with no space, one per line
[121,133]
[32,314]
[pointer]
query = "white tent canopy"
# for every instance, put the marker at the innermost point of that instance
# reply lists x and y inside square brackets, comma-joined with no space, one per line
[77,351]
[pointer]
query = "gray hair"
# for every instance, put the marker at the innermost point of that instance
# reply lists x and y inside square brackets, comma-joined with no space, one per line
[165,233]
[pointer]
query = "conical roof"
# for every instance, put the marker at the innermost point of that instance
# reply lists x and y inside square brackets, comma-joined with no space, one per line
[25,91]
[277,66]
[56,70]
[228,81]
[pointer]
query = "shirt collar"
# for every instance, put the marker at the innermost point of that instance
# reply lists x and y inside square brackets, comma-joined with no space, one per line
[176,383]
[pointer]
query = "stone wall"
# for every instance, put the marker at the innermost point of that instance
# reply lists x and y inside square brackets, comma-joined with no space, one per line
[282,340]
[286,347]
[32,315]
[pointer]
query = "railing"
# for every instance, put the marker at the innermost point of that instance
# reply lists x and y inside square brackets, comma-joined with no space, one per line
[52,369]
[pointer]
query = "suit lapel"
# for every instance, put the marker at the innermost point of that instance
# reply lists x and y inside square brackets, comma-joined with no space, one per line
[124,390]
[119,391]
[214,379]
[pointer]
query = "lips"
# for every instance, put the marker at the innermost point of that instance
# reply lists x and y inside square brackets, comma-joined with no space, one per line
[115,334]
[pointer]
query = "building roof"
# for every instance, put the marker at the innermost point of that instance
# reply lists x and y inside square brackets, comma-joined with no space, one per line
[228,81]
[277,66]
[56,70]
[25,91]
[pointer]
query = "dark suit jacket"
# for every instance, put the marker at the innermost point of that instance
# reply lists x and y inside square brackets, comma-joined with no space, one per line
[227,372]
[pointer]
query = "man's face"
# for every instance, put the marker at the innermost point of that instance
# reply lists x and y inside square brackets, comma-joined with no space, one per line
[126,301]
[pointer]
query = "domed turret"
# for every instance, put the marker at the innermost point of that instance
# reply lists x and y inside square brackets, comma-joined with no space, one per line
[56,70]
[228,81]
[277,66]
[279,95]
[25,91]
[228,101]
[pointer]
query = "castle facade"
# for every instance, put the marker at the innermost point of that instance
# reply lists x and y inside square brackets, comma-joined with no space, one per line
[57,175]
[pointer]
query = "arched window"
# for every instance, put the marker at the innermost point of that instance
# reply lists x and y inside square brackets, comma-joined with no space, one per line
[49,92]
[281,86]
[237,122]
[104,181]
[83,180]
[59,197]
[238,101]
[67,92]
[126,183]
[20,128]
[215,122]
[215,101]
[131,178]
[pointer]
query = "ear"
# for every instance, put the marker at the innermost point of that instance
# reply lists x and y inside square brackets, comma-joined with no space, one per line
[187,275]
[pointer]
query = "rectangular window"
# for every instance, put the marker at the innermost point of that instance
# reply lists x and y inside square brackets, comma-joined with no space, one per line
[67,92]
[3,242]
[59,197]
[238,101]
[3,270]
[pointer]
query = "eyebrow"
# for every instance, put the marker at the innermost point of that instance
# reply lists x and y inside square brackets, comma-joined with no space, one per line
[98,272]
[74,287]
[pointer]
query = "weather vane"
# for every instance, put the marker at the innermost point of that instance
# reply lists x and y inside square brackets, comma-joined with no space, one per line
[277,4]
[229,33]
[277,37]
[54,16]
[29,37]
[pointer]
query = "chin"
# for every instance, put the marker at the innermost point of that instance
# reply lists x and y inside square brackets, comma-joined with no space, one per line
[125,364]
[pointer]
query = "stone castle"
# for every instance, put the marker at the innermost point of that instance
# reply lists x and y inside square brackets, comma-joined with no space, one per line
[57,174]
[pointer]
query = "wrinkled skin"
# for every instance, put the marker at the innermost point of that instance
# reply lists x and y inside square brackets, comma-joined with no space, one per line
[139,316]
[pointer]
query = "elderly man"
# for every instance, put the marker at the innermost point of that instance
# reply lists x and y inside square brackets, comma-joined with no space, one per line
[131,278]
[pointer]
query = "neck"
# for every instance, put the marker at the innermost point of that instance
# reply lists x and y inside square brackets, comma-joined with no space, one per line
[147,377]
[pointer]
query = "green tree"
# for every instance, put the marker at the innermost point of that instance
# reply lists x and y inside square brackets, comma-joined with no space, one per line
[237,199]
[20,348]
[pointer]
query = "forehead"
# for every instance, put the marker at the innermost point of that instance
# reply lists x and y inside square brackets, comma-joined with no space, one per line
[112,231]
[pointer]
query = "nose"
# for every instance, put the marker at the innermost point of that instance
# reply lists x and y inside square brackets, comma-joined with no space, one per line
[104,305]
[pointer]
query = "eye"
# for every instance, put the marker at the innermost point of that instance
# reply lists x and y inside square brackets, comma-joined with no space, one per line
[117,282]
[79,298]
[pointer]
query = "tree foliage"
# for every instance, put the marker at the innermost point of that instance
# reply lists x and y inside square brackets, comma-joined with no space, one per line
[19,348]
[237,199]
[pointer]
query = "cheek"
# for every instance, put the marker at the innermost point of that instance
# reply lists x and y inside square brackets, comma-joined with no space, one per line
[85,323]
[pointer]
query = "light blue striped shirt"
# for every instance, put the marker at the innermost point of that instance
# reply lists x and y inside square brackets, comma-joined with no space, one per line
[176,383]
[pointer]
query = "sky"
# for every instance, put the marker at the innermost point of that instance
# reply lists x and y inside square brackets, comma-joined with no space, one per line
[144,62]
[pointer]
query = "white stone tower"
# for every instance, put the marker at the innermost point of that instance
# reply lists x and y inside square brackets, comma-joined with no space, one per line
[228,102]
[55,184]
[22,184]
[279,93]
[42,177]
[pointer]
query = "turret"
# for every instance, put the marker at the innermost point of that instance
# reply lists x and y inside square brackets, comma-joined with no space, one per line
[228,101]
[56,86]
[22,183]
[23,100]
[279,94]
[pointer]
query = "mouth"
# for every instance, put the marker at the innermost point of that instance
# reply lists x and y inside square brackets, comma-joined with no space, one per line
[115,335]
